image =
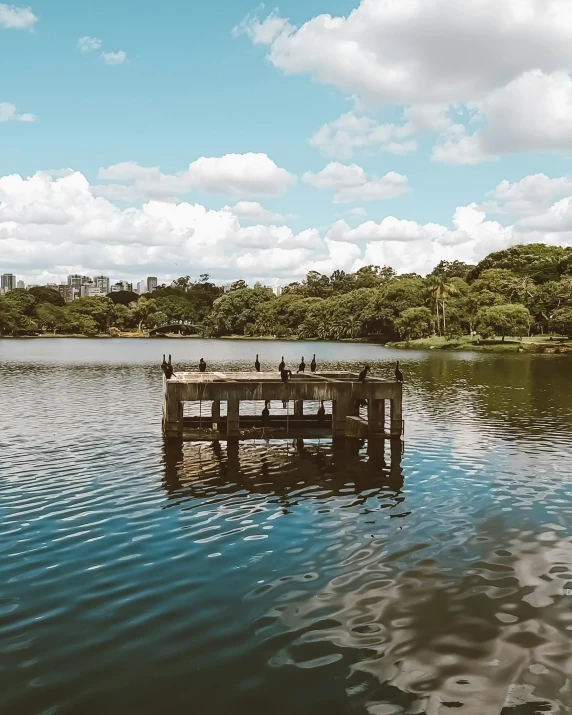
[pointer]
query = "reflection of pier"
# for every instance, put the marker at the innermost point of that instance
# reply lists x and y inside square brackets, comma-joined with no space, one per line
[345,391]
[332,465]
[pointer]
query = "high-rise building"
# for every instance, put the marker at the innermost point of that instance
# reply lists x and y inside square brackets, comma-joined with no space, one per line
[102,282]
[142,287]
[151,284]
[89,291]
[278,291]
[77,281]
[67,292]
[7,282]
[20,284]
[128,286]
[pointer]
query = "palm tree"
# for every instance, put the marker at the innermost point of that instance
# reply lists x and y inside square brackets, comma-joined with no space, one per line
[441,289]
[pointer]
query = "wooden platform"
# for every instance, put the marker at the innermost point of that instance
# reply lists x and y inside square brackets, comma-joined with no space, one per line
[343,389]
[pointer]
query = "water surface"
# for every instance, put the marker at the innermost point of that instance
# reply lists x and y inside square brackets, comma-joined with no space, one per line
[280,577]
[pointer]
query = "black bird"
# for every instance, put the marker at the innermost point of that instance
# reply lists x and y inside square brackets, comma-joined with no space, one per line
[257,364]
[321,413]
[265,414]
[398,373]
[202,366]
[285,375]
[282,365]
[302,365]
[164,365]
[363,374]
[168,369]
[313,364]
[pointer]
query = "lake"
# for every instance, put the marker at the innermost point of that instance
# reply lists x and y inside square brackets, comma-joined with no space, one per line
[283,578]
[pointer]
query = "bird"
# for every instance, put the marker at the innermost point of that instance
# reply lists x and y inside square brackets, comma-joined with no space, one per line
[302,365]
[257,364]
[168,368]
[266,414]
[313,364]
[285,375]
[363,374]
[164,365]
[321,413]
[398,373]
[282,365]
[202,366]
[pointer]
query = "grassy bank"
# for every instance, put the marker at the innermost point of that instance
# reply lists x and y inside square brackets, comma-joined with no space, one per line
[537,344]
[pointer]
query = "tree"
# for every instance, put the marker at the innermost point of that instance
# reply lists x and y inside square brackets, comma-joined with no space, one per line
[123,297]
[508,319]
[97,308]
[43,294]
[440,289]
[537,260]
[561,321]
[142,309]
[237,311]
[50,317]
[452,269]
[414,323]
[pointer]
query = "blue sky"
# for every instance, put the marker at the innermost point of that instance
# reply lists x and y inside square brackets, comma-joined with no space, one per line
[192,88]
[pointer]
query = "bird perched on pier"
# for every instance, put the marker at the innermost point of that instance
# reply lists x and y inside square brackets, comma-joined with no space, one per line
[302,365]
[202,366]
[398,373]
[285,375]
[321,413]
[266,414]
[313,364]
[257,364]
[363,374]
[167,368]
[282,365]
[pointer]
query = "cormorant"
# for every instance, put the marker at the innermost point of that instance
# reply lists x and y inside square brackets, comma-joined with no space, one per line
[285,375]
[265,414]
[257,364]
[282,365]
[164,365]
[168,369]
[313,364]
[398,373]
[321,413]
[363,374]
[302,365]
[202,366]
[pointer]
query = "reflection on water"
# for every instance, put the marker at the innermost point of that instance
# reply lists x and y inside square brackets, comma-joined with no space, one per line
[283,576]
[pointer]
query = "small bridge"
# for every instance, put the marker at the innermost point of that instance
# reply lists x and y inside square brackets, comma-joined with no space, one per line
[180,327]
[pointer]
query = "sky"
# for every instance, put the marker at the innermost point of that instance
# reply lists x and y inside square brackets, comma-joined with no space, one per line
[261,142]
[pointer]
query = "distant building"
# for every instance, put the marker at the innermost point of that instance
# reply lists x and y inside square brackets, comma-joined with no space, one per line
[226,288]
[67,292]
[129,287]
[89,291]
[151,284]
[278,291]
[102,282]
[20,284]
[76,281]
[258,284]
[142,287]
[8,282]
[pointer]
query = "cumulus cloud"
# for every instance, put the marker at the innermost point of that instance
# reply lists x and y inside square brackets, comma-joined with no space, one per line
[13,17]
[54,223]
[89,44]
[240,175]
[8,112]
[505,63]
[114,58]
[352,184]
[528,196]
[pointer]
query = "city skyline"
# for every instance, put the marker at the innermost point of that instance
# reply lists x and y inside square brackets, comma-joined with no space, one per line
[255,143]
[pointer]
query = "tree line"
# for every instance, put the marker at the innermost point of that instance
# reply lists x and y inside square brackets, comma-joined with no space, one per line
[522,290]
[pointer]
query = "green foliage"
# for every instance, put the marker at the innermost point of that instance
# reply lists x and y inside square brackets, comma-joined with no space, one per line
[236,312]
[561,321]
[536,260]
[123,297]
[415,323]
[86,312]
[42,294]
[510,319]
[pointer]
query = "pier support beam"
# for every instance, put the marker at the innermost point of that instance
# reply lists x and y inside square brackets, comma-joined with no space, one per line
[341,408]
[172,412]
[216,414]
[232,419]
[376,417]
[298,408]
[396,417]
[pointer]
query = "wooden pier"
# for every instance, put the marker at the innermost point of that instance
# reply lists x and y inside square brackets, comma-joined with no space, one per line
[345,391]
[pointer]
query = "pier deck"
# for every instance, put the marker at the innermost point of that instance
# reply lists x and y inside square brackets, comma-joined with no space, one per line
[343,389]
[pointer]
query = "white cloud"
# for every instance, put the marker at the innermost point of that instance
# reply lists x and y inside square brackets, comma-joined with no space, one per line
[8,112]
[239,175]
[528,196]
[54,223]
[351,183]
[252,211]
[13,17]
[114,58]
[89,44]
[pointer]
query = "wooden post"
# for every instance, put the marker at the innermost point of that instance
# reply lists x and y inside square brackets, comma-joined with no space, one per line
[340,410]
[216,414]
[298,408]
[232,418]
[396,416]
[376,417]
[172,412]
